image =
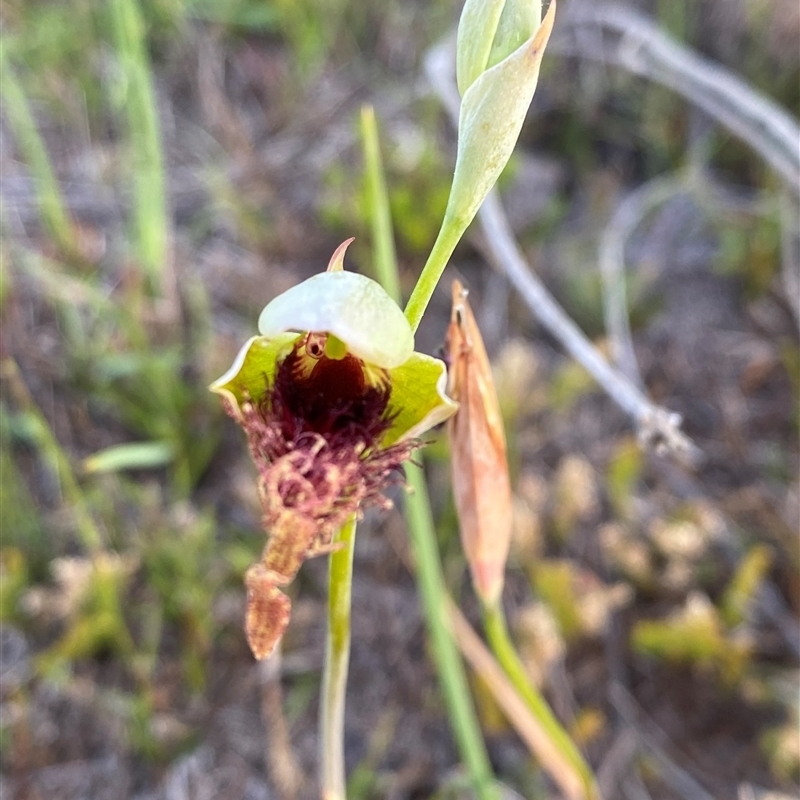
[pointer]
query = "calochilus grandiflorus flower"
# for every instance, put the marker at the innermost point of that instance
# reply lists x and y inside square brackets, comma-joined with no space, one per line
[333,399]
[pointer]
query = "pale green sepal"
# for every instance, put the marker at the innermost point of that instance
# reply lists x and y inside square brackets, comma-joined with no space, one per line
[253,369]
[418,398]
[492,112]
[353,307]
[519,21]
[476,32]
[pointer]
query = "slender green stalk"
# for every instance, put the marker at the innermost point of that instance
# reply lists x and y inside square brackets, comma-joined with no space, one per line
[449,236]
[430,580]
[150,211]
[494,622]
[383,252]
[52,209]
[337,658]
[447,659]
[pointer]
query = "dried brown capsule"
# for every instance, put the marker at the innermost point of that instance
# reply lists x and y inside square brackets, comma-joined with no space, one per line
[481,483]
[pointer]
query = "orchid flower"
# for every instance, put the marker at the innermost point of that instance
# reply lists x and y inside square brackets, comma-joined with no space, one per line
[333,399]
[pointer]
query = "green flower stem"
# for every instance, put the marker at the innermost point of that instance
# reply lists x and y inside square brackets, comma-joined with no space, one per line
[337,658]
[384,256]
[494,623]
[430,580]
[48,195]
[447,660]
[449,236]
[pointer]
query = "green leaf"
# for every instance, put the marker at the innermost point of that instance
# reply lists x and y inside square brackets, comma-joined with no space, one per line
[133,455]
[476,31]
[519,22]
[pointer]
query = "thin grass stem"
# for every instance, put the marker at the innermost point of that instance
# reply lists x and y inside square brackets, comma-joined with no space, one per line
[384,256]
[52,453]
[52,209]
[150,210]
[494,622]
[448,663]
[337,659]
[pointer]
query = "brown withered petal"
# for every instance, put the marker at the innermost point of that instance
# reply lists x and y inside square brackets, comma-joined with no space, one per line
[481,485]
[268,610]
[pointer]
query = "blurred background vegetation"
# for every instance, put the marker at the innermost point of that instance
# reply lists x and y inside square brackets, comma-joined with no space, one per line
[168,166]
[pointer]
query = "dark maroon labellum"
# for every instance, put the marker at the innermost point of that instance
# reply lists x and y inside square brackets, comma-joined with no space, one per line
[315,438]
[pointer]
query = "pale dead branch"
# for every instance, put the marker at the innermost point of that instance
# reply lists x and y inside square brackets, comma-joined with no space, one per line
[617,36]
[654,741]
[624,38]
[629,213]
[279,758]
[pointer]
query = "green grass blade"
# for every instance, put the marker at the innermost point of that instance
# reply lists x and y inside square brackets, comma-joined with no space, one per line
[131,455]
[150,210]
[384,256]
[52,209]
[449,665]
[42,436]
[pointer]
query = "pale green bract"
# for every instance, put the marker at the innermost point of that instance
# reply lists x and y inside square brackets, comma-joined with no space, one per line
[476,29]
[352,307]
[493,108]
[490,30]
[519,22]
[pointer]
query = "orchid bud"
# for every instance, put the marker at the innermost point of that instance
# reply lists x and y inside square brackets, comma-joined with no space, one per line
[475,39]
[497,80]
[481,484]
[490,30]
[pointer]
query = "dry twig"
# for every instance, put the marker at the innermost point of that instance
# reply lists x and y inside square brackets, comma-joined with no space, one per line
[621,37]
[626,39]
[629,213]
[650,739]
[280,761]
[617,762]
